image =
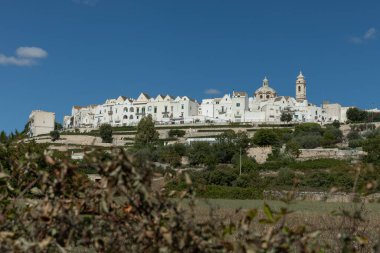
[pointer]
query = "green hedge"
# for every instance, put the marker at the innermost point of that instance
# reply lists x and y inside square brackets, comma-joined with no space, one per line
[228,192]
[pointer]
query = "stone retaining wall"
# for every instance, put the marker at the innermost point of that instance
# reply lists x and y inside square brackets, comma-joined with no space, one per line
[320,196]
[308,154]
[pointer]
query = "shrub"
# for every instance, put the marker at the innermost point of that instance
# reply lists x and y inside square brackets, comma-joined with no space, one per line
[202,153]
[223,175]
[248,164]
[355,143]
[293,149]
[285,176]
[331,136]
[372,147]
[176,133]
[54,135]
[247,180]
[309,141]
[353,135]
[105,132]
[146,134]
[286,117]
[308,129]
[336,124]
[266,137]
[228,192]
[356,115]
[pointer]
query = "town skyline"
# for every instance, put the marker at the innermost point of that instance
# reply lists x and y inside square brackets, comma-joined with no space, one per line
[83,52]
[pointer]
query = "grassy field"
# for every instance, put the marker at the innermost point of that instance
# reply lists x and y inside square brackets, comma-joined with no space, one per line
[296,206]
[315,216]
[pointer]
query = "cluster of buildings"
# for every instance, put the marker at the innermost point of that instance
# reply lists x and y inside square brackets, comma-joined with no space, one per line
[264,106]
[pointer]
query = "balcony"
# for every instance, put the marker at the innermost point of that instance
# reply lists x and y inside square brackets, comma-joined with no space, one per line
[140,114]
[110,112]
[237,115]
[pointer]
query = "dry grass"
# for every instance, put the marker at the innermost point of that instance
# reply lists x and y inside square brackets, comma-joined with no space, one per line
[316,216]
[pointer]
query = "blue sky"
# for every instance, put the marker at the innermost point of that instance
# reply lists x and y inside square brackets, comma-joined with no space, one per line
[59,53]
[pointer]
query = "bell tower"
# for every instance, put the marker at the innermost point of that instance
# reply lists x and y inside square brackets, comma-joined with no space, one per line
[300,88]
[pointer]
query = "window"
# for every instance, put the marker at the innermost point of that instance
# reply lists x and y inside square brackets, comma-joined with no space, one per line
[166,108]
[131,109]
[125,117]
[267,96]
[125,109]
[299,88]
[137,110]
[131,117]
[261,96]
[155,109]
[237,104]
[149,108]
[182,107]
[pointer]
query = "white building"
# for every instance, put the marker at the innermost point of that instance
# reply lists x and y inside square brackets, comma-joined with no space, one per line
[265,105]
[124,111]
[41,122]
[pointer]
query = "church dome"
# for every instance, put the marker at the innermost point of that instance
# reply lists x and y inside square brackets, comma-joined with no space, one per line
[265,92]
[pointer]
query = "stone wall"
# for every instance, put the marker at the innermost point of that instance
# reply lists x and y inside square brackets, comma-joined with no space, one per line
[259,153]
[308,154]
[320,196]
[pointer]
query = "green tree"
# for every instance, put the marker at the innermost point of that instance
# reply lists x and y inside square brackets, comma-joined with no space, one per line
[372,147]
[146,133]
[55,135]
[336,124]
[332,136]
[176,133]
[230,143]
[354,114]
[293,149]
[286,117]
[202,153]
[266,137]
[57,126]
[3,137]
[105,132]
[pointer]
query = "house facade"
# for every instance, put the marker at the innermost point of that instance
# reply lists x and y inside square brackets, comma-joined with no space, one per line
[264,106]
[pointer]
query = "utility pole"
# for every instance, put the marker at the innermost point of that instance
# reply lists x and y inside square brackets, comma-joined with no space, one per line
[240,162]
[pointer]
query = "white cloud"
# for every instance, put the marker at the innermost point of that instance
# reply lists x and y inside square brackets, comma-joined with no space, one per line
[370,34]
[86,2]
[31,52]
[212,91]
[25,56]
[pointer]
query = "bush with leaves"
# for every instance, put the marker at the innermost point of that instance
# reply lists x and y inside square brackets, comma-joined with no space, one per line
[147,134]
[266,137]
[354,114]
[176,133]
[47,205]
[105,132]
[332,136]
[286,117]
[54,135]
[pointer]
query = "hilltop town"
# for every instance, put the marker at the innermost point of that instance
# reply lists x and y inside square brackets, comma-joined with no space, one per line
[264,106]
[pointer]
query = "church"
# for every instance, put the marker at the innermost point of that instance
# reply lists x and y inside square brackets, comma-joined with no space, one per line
[267,106]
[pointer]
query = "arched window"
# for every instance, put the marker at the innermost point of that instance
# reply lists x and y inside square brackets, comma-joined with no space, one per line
[261,96]
[267,96]
[131,117]
[125,109]
[125,117]
[131,109]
